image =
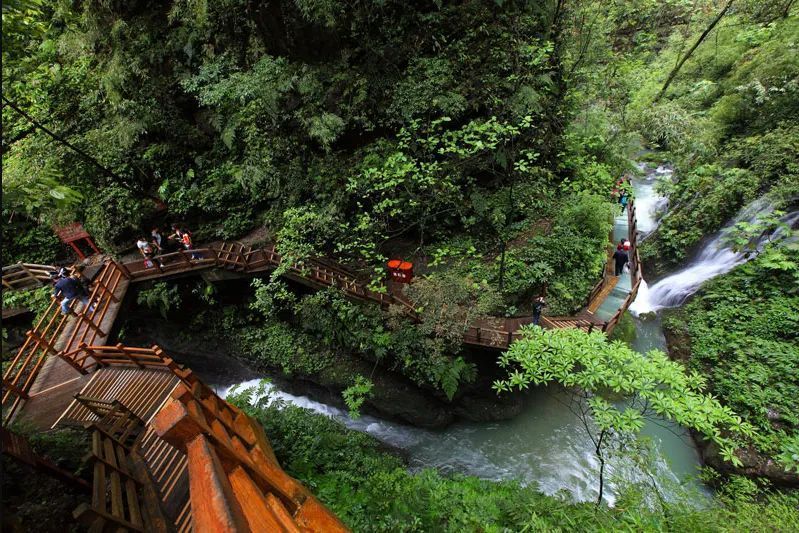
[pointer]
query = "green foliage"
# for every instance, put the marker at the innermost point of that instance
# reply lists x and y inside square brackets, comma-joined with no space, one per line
[624,330]
[603,371]
[459,371]
[276,345]
[37,300]
[746,236]
[729,123]
[113,215]
[742,332]
[371,490]
[356,394]
[161,296]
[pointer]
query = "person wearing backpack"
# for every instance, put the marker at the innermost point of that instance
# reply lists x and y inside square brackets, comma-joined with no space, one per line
[71,288]
[183,236]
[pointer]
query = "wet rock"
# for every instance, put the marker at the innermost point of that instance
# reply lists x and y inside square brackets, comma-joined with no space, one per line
[482,409]
[755,465]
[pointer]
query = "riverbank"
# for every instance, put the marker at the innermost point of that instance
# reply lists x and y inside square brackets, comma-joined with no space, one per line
[373,491]
[220,364]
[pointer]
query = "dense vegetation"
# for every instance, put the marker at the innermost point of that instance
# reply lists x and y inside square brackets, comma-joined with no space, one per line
[479,139]
[741,331]
[729,122]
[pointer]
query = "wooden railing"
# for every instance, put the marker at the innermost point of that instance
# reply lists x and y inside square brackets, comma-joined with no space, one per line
[26,276]
[235,482]
[635,271]
[241,258]
[23,369]
[18,447]
[115,495]
[43,339]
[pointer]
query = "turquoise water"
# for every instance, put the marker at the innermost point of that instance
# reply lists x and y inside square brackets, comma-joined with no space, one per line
[546,445]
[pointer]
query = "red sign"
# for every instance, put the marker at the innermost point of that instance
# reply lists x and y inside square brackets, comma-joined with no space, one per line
[400,271]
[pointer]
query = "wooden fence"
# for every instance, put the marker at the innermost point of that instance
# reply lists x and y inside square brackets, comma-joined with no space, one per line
[46,337]
[635,271]
[26,276]
[229,452]
[238,257]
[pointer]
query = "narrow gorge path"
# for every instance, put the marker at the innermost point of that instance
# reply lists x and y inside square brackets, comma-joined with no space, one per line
[545,444]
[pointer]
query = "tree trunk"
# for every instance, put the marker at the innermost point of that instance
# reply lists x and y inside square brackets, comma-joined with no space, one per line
[601,458]
[502,267]
[682,61]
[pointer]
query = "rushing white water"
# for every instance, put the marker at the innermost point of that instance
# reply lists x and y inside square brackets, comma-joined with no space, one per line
[649,205]
[546,444]
[715,258]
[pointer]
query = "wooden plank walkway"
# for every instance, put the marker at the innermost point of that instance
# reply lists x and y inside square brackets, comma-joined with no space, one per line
[57,382]
[607,288]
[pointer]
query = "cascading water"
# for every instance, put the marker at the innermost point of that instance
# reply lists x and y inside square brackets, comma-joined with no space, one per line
[714,259]
[546,444]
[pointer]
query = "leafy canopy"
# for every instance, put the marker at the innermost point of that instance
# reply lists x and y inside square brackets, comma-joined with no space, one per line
[650,384]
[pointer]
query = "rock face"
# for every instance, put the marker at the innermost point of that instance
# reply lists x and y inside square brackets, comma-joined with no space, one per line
[755,464]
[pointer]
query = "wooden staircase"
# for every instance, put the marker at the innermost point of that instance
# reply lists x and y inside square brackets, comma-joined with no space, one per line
[161,436]
[235,481]
[119,481]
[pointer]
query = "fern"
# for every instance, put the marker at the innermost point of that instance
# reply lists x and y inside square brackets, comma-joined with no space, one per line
[452,375]
[356,394]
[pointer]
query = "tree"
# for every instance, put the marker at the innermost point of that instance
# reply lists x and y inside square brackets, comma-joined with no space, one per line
[615,389]
[684,58]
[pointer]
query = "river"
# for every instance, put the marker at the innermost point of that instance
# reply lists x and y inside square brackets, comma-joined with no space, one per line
[546,444]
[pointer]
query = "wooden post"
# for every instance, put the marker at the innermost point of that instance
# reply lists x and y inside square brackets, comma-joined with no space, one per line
[121,348]
[42,341]
[91,245]
[71,362]
[90,353]
[84,318]
[125,271]
[106,290]
[77,250]
[188,260]
[16,390]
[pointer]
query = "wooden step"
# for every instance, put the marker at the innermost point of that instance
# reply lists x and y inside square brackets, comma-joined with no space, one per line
[143,391]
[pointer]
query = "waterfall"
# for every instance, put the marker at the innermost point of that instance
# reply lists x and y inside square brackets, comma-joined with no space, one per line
[714,259]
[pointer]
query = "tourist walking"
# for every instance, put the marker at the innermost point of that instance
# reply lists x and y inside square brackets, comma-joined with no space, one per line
[183,236]
[623,199]
[71,288]
[621,258]
[538,305]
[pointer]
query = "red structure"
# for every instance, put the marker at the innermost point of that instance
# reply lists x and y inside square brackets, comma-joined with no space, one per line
[400,271]
[73,233]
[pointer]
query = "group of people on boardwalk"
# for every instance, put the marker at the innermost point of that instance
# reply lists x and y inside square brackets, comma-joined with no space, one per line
[621,256]
[157,245]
